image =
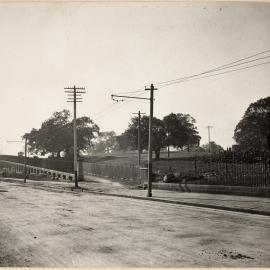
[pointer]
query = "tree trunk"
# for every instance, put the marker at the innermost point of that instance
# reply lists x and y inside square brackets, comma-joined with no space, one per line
[58,154]
[157,153]
[168,151]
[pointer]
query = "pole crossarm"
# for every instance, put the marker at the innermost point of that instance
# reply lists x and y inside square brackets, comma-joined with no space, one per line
[139,113]
[150,89]
[77,88]
[73,101]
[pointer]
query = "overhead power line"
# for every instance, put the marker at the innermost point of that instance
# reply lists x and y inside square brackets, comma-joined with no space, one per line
[103,110]
[217,69]
[223,67]
[220,73]
[131,92]
[139,90]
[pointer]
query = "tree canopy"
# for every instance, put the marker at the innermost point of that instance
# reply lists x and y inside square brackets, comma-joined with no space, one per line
[214,147]
[56,135]
[105,142]
[253,130]
[129,139]
[177,130]
[181,130]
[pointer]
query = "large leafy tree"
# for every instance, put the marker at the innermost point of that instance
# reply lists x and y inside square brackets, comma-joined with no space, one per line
[253,130]
[181,131]
[129,139]
[123,142]
[177,130]
[105,142]
[56,135]
[214,147]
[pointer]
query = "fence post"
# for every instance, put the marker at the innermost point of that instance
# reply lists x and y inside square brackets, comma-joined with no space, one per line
[195,167]
[80,170]
[226,169]
[265,168]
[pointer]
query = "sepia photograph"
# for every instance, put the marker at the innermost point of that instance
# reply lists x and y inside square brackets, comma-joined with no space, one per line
[135,134]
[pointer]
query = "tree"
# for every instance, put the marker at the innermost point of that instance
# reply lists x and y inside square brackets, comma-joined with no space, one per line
[123,142]
[178,130]
[181,131]
[105,142]
[214,147]
[253,130]
[56,135]
[129,138]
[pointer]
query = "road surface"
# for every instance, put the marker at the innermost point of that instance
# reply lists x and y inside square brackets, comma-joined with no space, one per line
[46,228]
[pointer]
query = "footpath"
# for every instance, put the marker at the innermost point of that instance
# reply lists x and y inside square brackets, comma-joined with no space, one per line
[106,187]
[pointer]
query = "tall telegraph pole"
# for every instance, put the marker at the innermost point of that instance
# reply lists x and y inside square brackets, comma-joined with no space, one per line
[74,95]
[150,165]
[139,136]
[25,158]
[209,139]
[150,173]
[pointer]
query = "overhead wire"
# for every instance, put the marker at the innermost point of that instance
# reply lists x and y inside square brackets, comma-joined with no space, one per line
[197,76]
[226,66]
[120,105]
[141,89]
[131,92]
[112,106]
[217,74]
[104,110]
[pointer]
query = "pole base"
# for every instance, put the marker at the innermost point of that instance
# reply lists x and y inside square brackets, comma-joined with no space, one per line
[76,179]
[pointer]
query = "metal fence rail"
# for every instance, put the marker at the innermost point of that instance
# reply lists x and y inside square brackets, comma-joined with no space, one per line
[227,168]
[115,171]
[16,170]
[48,163]
[233,174]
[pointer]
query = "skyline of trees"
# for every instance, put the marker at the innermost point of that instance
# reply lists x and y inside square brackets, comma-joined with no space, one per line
[176,130]
[253,130]
[55,136]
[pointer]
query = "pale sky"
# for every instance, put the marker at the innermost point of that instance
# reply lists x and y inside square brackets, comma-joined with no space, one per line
[119,47]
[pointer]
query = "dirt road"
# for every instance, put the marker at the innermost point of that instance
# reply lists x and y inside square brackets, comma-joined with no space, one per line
[59,229]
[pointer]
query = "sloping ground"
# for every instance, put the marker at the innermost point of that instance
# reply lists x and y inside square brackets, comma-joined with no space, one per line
[60,229]
[131,157]
[96,159]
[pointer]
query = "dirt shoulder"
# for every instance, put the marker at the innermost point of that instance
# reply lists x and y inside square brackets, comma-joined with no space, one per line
[46,228]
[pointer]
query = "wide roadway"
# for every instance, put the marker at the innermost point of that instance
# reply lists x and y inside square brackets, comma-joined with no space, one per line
[50,228]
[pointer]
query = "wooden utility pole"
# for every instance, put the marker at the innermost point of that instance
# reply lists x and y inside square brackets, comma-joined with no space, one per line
[75,96]
[209,139]
[150,173]
[150,165]
[139,136]
[25,158]
[168,147]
